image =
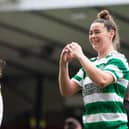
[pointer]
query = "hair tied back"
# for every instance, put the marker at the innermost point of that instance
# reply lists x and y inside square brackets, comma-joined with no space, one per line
[104,14]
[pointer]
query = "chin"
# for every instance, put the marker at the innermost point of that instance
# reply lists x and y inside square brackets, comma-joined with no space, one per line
[96,48]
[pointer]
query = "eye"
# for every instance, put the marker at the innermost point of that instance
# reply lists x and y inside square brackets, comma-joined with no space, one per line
[90,33]
[94,32]
[97,32]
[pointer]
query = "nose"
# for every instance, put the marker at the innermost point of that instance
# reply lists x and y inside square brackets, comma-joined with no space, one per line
[93,35]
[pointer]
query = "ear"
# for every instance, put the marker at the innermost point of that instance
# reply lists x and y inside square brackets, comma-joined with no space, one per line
[112,34]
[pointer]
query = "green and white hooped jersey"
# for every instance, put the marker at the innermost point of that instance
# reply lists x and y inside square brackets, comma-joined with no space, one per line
[103,107]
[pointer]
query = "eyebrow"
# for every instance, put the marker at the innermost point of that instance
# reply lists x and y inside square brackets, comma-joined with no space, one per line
[94,30]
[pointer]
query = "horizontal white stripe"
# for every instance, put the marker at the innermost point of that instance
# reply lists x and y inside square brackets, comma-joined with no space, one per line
[105,117]
[88,80]
[102,97]
[80,74]
[116,69]
[78,82]
[123,82]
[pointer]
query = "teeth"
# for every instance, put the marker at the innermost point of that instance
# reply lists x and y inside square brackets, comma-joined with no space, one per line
[96,40]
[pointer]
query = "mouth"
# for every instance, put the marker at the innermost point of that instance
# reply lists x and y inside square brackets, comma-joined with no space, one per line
[94,42]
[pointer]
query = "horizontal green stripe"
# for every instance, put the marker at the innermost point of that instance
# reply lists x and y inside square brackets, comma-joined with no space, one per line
[104,107]
[108,56]
[113,61]
[84,73]
[77,78]
[106,125]
[126,74]
[115,88]
[102,65]
[117,62]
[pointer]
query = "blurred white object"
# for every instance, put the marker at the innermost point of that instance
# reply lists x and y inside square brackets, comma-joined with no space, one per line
[6,5]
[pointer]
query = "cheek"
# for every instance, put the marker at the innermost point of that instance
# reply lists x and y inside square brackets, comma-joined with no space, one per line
[90,38]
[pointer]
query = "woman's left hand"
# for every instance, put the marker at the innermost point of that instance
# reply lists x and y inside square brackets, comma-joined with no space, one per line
[75,50]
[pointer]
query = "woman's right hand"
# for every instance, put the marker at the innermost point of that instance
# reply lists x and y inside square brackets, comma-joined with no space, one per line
[65,56]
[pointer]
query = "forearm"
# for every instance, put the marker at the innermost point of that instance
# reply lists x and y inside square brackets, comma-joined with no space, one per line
[64,79]
[98,76]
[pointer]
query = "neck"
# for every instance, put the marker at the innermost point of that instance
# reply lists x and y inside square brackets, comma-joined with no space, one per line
[103,53]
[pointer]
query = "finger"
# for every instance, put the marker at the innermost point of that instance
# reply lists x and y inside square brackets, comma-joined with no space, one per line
[74,43]
[66,50]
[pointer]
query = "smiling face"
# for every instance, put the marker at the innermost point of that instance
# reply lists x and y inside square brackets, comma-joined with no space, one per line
[99,37]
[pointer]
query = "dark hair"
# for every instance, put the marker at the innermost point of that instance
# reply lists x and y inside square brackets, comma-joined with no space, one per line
[2,65]
[105,17]
[71,123]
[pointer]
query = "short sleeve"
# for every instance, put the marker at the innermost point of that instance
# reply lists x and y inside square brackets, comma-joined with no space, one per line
[118,68]
[79,77]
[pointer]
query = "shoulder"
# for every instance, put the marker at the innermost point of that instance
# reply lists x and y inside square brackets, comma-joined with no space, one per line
[118,59]
[115,55]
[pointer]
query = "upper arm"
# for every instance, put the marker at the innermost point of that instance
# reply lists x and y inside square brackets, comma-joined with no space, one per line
[115,69]
[74,87]
[77,81]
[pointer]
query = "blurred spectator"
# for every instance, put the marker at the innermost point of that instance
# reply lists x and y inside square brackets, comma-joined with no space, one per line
[126,103]
[2,64]
[72,123]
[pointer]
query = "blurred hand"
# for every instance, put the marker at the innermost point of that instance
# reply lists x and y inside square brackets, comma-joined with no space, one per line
[75,50]
[66,55]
